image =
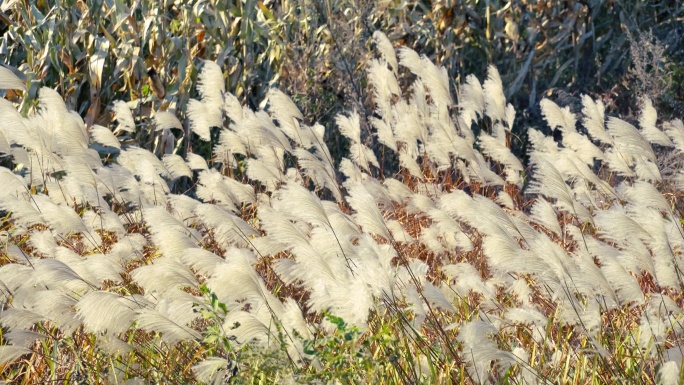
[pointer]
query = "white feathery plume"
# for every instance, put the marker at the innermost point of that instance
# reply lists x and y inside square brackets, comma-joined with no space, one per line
[24,338]
[594,119]
[505,200]
[67,126]
[435,78]
[104,136]
[123,116]
[58,275]
[480,171]
[153,188]
[4,144]
[105,312]
[349,126]
[114,346]
[584,149]
[625,285]
[495,101]
[60,218]
[471,100]
[438,149]
[618,163]
[466,279]
[10,81]
[17,129]
[203,261]
[385,85]
[530,316]
[128,248]
[229,144]
[268,173]
[411,60]
[628,140]
[99,268]
[283,109]
[502,154]
[510,116]
[166,119]
[22,319]
[541,143]
[43,242]
[451,233]
[642,193]
[384,46]
[665,264]
[436,298]
[235,281]
[308,209]
[647,121]
[578,173]
[171,331]
[211,87]
[419,102]
[341,222]
[352,172]
[437,81]
[319,170]
[212,187]
[163,275]
[81,169]
[183,208]
[398,232]
[246,327]
[409,127]
[11,353]
[133,158]
[614,224]
[363,156]
[367,215]
[16,278]
[647,171]
[409,163]
[479,350]
[228,228]
[210,83]
[549,182]
[675,130]
[557,117]
[23,213]
[445,130]
[668,373]
[257,129]
[542,212]
[13,186]
[120,183]
[196,162]
[384,133]
[429,237]
[168,233]
[176,166]
[198,116]
[232,107]
[281,230]
[56,306]
[212,370]
[396,190]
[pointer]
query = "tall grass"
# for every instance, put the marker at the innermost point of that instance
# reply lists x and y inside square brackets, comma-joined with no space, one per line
[273,266]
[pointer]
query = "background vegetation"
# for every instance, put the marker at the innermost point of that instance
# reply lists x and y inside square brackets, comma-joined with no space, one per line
[94,52]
